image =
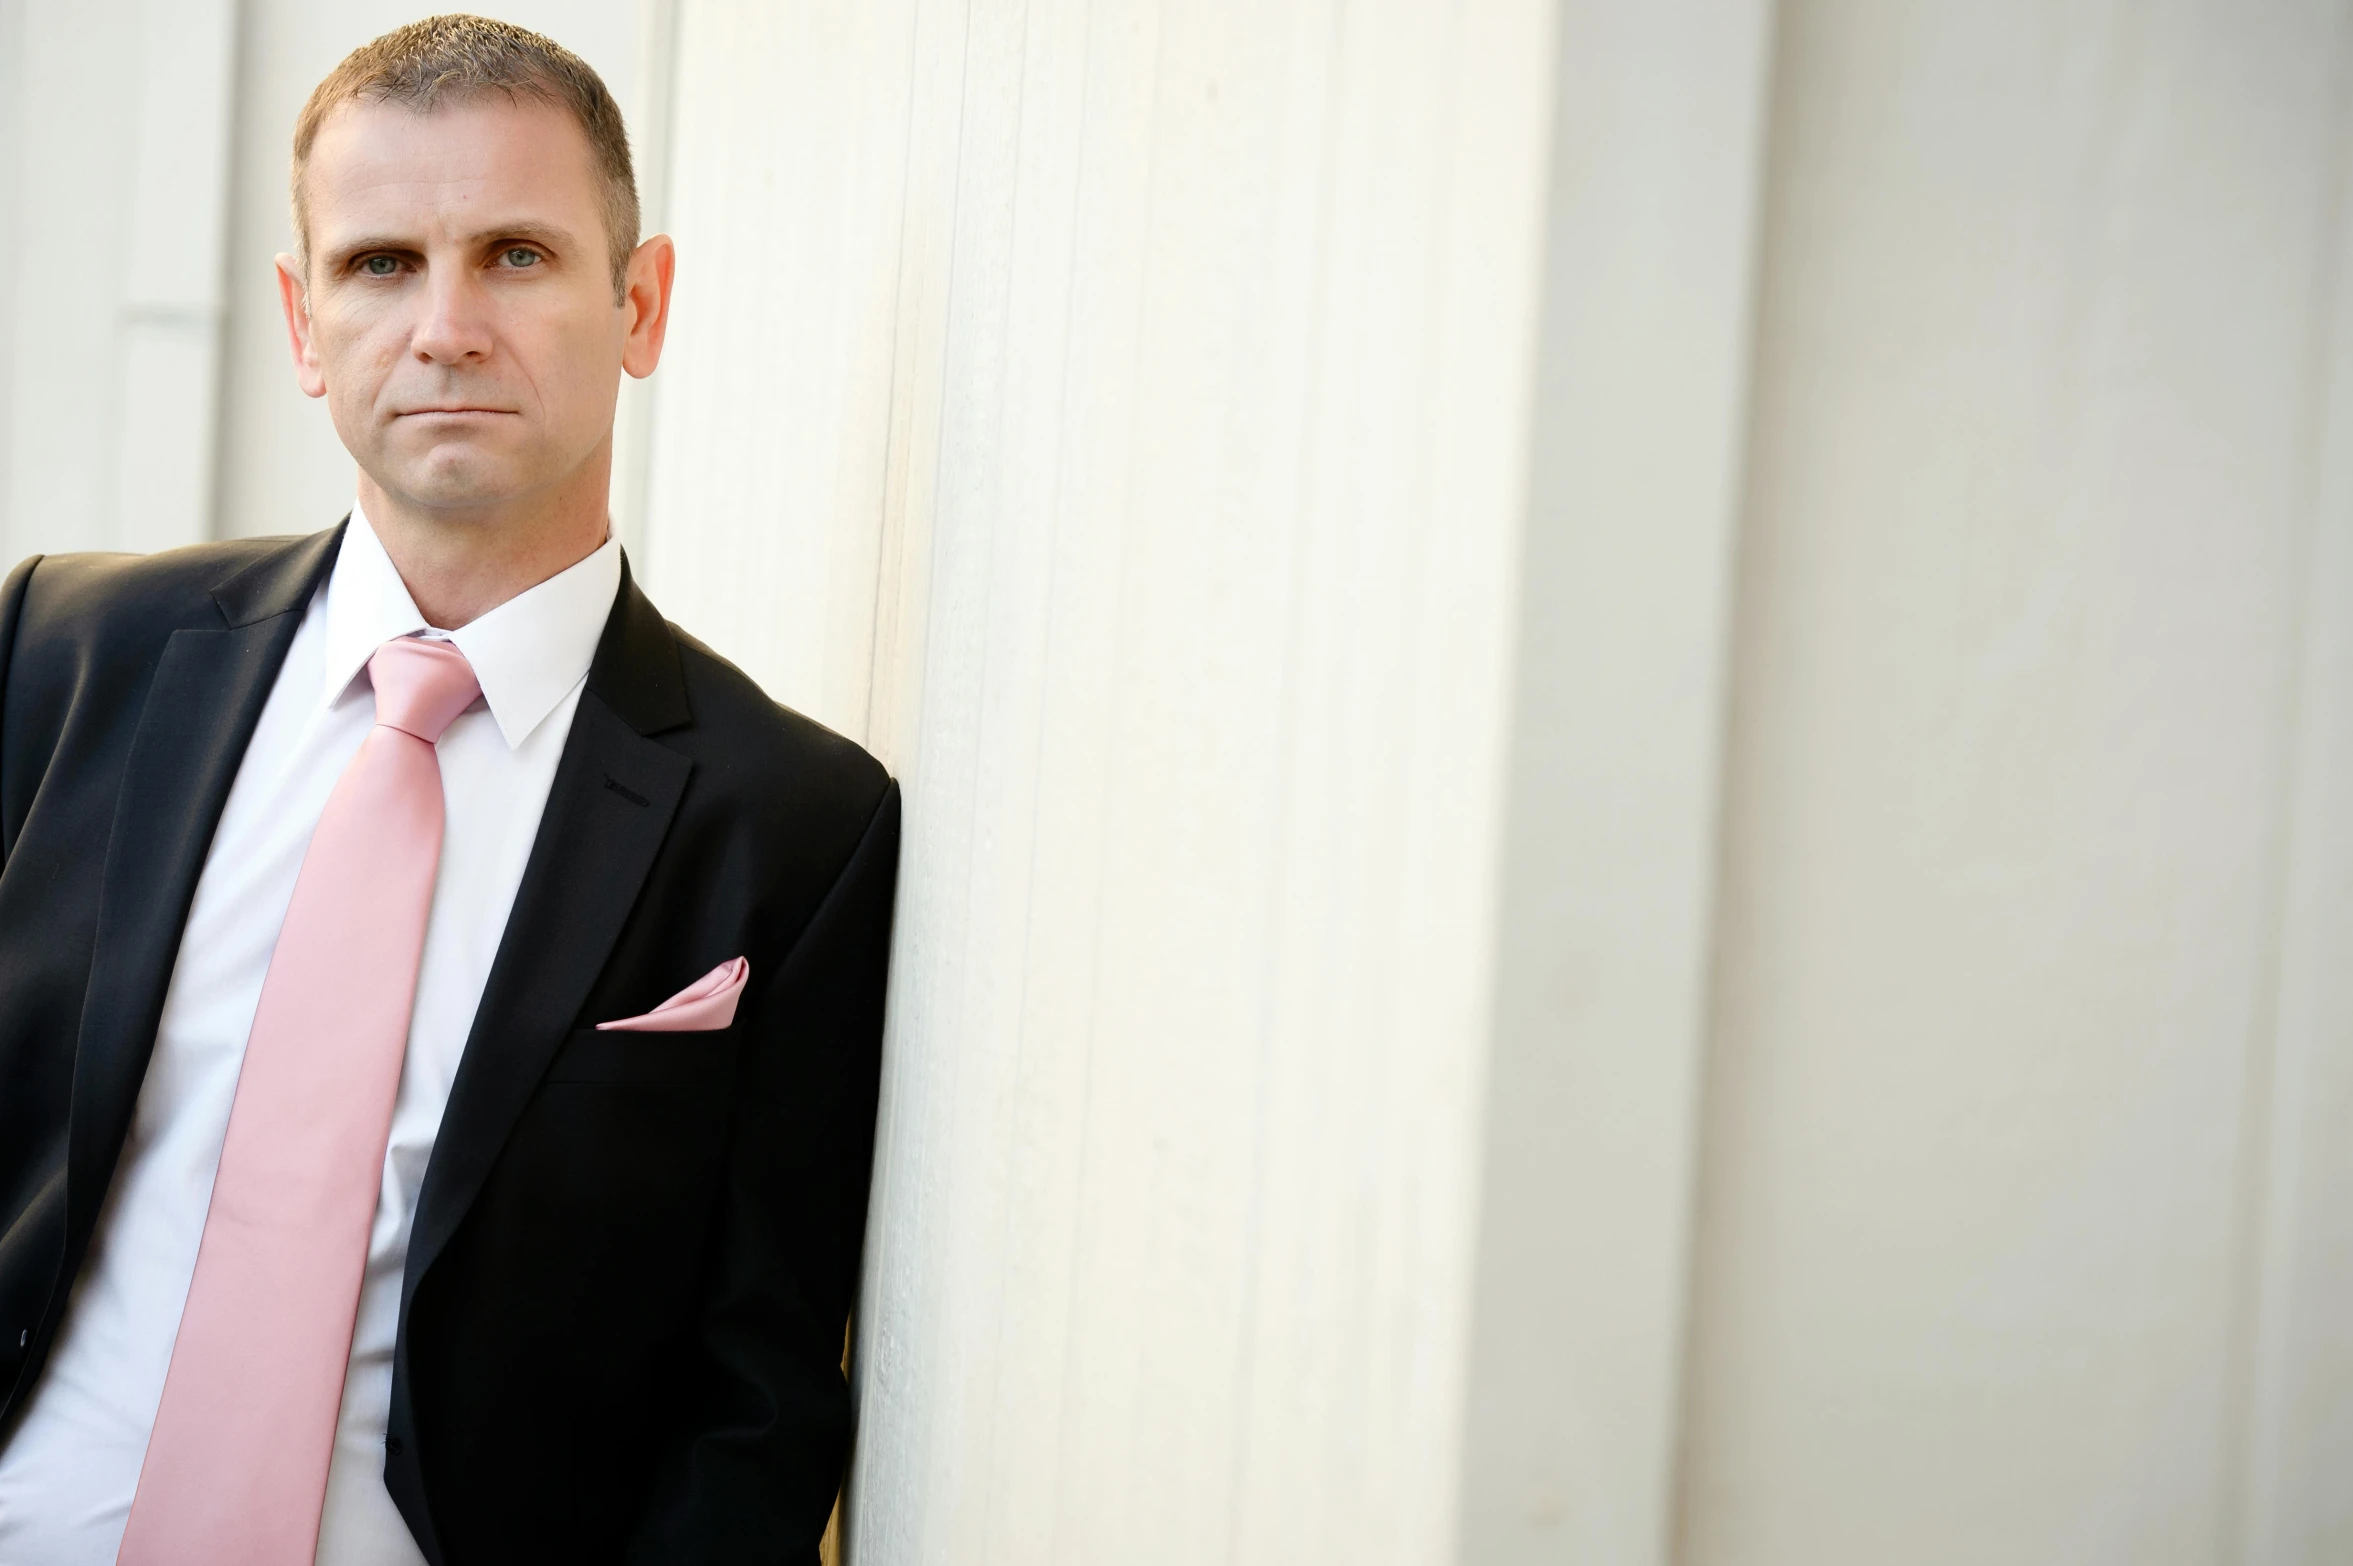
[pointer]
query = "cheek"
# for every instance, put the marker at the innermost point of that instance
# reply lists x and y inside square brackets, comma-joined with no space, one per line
[579,367]
[356,353]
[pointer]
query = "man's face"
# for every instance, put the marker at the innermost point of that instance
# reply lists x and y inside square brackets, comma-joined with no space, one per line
[460,317]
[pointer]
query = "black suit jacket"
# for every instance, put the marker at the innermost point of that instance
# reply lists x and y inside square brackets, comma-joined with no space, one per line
[633,1254]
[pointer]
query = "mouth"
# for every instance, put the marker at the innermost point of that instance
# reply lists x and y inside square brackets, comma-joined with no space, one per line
[460,410]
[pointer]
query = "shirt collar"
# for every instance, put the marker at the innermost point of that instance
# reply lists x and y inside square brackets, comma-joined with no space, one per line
[527,653]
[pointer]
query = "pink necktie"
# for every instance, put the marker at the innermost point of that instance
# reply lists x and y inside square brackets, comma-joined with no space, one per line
[236,1469]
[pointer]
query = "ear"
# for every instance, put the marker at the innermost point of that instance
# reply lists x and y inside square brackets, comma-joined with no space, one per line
[294,294]
[646,304]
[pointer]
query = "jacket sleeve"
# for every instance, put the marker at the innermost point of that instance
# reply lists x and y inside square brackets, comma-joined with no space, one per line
[753,1472]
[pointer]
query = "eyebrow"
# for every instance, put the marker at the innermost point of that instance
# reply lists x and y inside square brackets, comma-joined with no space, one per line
[547,234]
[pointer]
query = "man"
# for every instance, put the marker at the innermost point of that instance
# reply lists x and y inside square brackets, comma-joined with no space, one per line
[439,1001]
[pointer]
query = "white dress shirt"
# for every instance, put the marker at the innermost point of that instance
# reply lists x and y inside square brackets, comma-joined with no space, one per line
[68,1474]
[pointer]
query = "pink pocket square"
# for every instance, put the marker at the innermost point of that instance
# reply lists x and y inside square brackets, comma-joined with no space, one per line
[703,1006]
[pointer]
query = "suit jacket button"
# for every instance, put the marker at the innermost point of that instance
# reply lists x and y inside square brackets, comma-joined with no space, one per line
[392,1445]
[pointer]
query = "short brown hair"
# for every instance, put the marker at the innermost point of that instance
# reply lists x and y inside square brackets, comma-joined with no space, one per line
[450,59]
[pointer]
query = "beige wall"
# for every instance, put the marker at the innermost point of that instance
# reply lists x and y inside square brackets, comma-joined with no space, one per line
[2017,1236]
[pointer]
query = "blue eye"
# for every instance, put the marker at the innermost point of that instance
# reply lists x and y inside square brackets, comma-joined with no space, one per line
[380,266]
[522,257]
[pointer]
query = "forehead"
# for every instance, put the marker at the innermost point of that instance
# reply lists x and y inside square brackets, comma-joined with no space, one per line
[488,159]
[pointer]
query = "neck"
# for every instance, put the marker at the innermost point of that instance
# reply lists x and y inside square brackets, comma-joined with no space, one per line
[459,564]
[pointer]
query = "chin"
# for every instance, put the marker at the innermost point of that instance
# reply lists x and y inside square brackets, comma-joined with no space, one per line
[457,486]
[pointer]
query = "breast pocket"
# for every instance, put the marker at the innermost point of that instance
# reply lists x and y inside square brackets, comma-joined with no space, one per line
[706,1058]
[613,1175]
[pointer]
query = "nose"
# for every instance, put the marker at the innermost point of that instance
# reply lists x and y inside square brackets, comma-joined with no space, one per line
[456,325]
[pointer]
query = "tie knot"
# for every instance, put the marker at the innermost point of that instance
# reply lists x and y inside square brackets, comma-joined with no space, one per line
[421,686]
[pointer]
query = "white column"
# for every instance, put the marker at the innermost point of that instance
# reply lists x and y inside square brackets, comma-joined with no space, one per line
[648,101]
[1609,863]
[113,127]
[172,310]
[797,347]
[2297,1507]
[1117,416]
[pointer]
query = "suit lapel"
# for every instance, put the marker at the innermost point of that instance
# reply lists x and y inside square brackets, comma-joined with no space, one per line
[203,701]
[608,810]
